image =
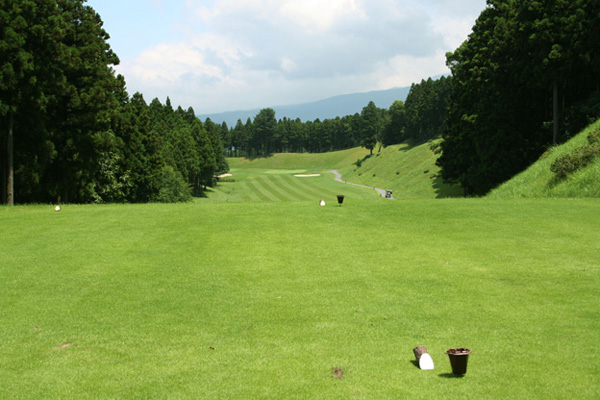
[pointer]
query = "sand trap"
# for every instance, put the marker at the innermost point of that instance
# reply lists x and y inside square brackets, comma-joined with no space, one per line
[306,176]
[224,175]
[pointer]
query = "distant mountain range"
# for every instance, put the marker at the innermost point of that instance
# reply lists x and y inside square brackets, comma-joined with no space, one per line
[337,106]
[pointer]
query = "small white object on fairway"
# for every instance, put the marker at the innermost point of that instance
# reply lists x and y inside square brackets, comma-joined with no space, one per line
[426,362]
[57,208]
[322,203]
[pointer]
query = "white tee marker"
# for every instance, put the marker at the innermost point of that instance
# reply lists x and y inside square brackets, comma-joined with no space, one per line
[423,357]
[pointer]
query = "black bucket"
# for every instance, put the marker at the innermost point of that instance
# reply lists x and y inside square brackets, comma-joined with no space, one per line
[458,360]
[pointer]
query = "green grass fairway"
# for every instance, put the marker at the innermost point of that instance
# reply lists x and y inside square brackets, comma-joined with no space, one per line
[276,185]
[409,171]
[264,300]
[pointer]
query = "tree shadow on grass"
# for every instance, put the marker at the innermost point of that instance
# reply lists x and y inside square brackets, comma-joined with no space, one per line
[408,145]
[205,193]
[444,190]
[259,157]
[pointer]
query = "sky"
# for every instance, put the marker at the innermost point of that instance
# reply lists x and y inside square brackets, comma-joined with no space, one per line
[225,55]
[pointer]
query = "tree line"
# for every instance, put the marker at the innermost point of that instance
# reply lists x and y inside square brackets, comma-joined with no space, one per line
[69,129]
[418,119]
[527,77]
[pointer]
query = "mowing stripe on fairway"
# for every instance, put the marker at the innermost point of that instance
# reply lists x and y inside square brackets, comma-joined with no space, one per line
[311,186]
[322,191]
[272,187]
[260,190]
[285,181]
[252,191]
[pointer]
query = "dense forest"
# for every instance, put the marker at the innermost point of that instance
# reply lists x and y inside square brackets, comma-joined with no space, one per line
[70,131]
[526,78]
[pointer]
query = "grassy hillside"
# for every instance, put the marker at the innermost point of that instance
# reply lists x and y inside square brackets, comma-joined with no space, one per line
[319,161]
[290,300]
[539,181]
[410,172]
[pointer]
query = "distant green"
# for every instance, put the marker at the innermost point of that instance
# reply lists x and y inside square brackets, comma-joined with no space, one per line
[255,185]
[408,171]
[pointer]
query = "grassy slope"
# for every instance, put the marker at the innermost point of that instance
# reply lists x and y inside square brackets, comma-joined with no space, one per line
[264,300]
[320,161]
[539,181]
[410,172]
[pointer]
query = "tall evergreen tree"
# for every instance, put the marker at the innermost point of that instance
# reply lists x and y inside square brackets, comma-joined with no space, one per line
[29,35]
[58,89]
[371,126]
[394,130]
[265,126]
[507,77]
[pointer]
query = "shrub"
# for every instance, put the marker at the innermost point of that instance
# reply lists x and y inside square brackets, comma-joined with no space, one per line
[173,188]
[594,137]
[575,160]
[435,146]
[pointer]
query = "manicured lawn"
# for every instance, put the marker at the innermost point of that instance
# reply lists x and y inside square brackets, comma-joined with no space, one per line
[277,185]
[264,300]
[409,171]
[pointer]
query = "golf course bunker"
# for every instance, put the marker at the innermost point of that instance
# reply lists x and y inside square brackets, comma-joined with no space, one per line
[306,175]
[224,176]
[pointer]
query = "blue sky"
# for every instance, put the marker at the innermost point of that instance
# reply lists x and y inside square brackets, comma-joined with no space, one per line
[223,55]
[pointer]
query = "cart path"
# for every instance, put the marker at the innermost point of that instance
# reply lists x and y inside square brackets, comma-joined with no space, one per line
[338,177]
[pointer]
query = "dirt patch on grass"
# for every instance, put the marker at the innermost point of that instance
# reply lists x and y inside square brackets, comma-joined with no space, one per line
[337,373]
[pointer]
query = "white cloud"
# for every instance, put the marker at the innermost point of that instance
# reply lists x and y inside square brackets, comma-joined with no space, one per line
[316,16]
[249,54]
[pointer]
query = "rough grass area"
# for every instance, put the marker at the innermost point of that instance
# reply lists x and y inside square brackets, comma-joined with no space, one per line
[289,300]
[539,181]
